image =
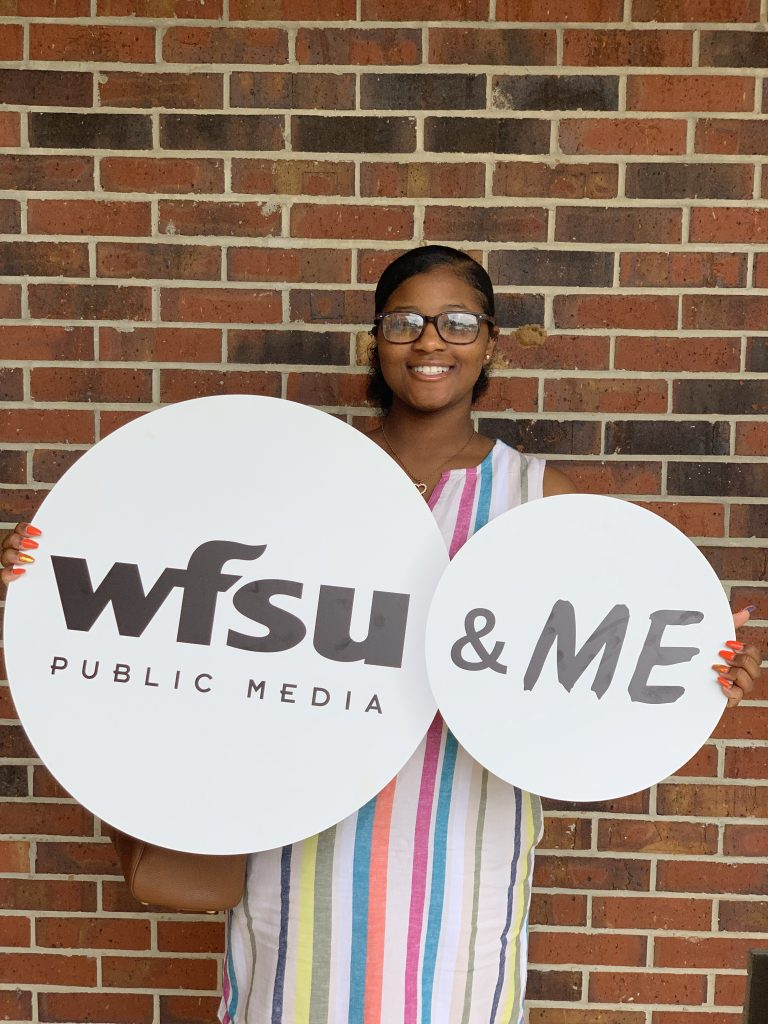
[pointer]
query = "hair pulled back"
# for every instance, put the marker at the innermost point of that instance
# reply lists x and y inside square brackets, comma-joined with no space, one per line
[410,264]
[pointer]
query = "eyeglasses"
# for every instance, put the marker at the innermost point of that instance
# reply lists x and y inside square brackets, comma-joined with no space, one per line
[454,326]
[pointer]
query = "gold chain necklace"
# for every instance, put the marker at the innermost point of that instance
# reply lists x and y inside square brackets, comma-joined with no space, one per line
[421,486]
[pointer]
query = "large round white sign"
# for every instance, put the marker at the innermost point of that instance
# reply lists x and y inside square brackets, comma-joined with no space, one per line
[569,646]
[220,647]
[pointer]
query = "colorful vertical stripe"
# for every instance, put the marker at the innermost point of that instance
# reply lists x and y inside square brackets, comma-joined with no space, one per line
[415,908]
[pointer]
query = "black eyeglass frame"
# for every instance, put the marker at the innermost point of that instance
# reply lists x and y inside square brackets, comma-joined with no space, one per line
[481,318]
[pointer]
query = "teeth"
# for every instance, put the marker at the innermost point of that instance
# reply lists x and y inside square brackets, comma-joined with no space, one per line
[431,371]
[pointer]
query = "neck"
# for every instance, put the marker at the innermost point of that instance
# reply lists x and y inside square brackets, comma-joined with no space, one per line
[422,434]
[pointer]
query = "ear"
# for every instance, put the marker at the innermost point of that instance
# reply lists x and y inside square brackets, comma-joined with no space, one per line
[493,334]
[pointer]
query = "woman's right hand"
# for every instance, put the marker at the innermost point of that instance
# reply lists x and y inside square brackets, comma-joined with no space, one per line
[15,549]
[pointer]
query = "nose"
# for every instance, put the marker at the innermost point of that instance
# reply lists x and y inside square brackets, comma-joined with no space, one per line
[430,339]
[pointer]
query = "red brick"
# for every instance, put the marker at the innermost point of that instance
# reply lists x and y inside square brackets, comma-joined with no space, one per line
[743,723]
[683,270]
[750,520]
[180,91]
[179,385]
[328,389]
[90,385]
[719,135]
[705,1017]
[642,988]
[729,224]
[291,10]
[49,465]
[86,1007]
[92,933]
[46,425]
[694,519]
[90,302]
[558,909]
[689,355]
[220,305]
[626,48]
[696,10]
[15,931]
[422,179]
[618,224]
[152,260]
[31,171]
[116,898]
[10,301]
[614,477]
[157,972]
[87,217]
[500,46]
[12,42]
[44,259]
[292,90]
[109,421]
[622,311]
[172,175]
[557,352]
[88,42]
[483,223]
[160,8]
[338,221]
[564,948]
[43,894]
[559,10]
[568,1015]
[685,951]
[39,818]
[14,856]
[624,835]
[387,46]
[566,834]
[711,876]
[504,394]
[10,128]
[187,217]
[47,969]
[345,306]
[741,597]
[10,216]
[45,343]
[73,858]
[745,841]
[703,764]
[189,1009]
[160,344]
[592,873]
[561,181]
[652,913]
[16,1005]
[690,92]
[14,739]
[293,177]
[630,136]
[602,394]
[225,45]
[729,991]
[306,265]
[422,10]
[190,936]
[761,270]
[741,916]
[725,312]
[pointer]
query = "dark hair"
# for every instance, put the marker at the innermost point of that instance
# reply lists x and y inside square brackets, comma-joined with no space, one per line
[410,264]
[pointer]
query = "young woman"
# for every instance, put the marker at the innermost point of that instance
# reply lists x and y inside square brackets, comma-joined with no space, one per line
[414,909]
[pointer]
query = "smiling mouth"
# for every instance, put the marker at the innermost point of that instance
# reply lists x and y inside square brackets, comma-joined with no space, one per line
[430,371]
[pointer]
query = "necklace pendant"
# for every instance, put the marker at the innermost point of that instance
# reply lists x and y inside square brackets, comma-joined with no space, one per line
[421,488]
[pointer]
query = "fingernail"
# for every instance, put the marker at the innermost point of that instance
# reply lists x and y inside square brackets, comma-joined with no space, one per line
[725,683]
[29,544]
[735,645]
[27,559]
[728,655]
[721,668]
[751,608]
[33,531]
[16,571]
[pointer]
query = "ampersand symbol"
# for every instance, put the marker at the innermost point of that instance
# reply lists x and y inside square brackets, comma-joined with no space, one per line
[473,634]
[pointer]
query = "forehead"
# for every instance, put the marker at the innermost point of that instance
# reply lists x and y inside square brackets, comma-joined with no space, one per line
[434,291]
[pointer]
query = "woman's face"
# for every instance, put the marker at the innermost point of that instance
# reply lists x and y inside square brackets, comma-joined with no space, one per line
[430,374]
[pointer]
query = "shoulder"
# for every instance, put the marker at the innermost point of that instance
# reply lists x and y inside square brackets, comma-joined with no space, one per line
[556,482]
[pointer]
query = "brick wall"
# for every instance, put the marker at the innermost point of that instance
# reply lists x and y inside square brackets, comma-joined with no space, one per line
[197,200]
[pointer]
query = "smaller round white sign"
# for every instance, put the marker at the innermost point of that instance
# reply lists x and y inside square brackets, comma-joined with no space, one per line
[220,647]
[570,643]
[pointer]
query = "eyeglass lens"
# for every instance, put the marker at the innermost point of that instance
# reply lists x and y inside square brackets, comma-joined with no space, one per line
[456,327]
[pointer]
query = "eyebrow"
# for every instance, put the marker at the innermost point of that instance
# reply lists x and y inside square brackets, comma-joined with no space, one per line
[454,306]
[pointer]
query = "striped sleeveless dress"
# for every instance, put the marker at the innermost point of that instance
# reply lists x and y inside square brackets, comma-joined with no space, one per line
[414,909]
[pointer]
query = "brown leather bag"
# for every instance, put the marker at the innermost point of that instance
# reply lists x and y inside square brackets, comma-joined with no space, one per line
[197,882]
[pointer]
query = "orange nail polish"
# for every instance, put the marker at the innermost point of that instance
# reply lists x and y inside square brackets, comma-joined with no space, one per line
[735,645]
[728,655]
[27,559]
[28,544]
[720,668]
[16,571]
[726,683]
[33,531]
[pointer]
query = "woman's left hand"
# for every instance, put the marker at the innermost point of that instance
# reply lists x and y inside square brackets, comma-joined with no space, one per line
[739,675]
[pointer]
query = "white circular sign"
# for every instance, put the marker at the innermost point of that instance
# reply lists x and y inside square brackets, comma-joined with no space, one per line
[220,647]
[570,645]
